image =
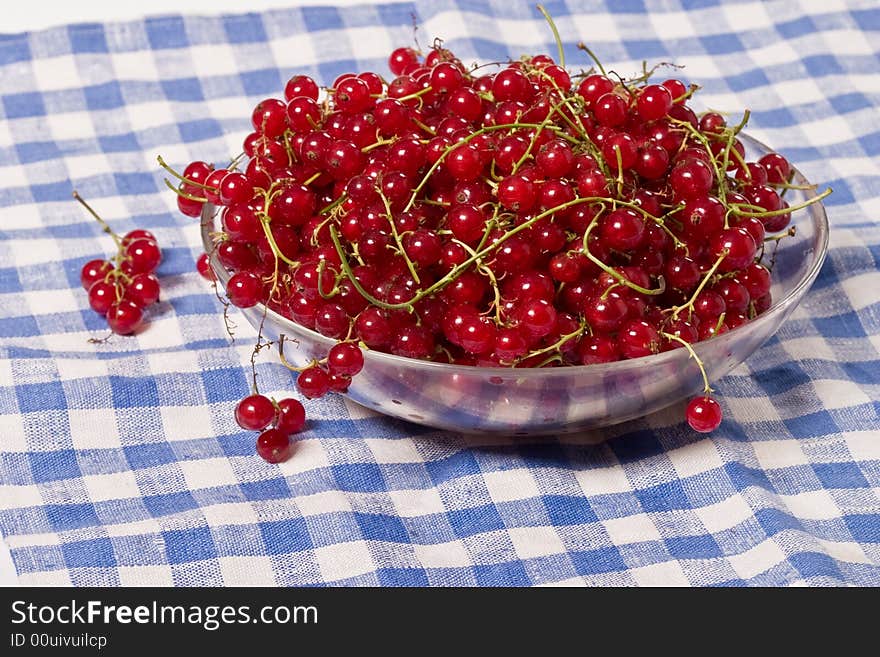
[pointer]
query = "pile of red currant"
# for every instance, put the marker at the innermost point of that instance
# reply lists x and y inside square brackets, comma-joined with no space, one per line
[522,217]
[122,287]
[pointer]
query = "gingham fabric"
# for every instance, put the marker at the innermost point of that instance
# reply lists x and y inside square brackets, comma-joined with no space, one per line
[120,463]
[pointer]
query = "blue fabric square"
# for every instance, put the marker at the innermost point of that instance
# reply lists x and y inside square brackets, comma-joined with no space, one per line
[149,455]
[815,564]
[774,521]
[41,397]
[475,520]
[264,489]
[402,577]
[64,517]
[12,51]
[864,527]
[663,497]
[224,384]
[460,464]
[54,466]
[261,82]
[840,475]
[119,143]
[19,327]
[603,560]
[199,130]
[510,573]
[163,505]
[321,18]
[812,425]
[567,510]
[166,32]
[96,553]
[23,105]
[246,28]
[185,545]
[636,445]
[381,527]
[359,477]
[286,536]
[37,151]
[104,96]
[87,38]
[134,392]
[693,547]
[135,183]
[183,89]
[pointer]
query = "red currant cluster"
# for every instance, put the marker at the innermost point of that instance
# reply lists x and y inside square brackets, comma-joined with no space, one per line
[287,417]
[122,287]
[520,218]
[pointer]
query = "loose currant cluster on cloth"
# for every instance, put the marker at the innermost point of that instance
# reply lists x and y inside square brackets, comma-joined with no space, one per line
[121,288]
[524,217]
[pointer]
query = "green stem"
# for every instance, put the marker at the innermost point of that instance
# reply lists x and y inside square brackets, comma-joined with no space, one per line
[555,35]
[709,274]
[693,354]
[104,225]
[620,278]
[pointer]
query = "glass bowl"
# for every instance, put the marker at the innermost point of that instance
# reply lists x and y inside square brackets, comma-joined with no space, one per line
[564,399]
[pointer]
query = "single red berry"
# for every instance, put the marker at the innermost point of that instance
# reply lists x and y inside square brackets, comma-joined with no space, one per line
[124,317]
[141,256]
[703,414]
[244,289]
[654,102]
[273,446]
[203,266]
[291,416]
[403,60]
[313,382]
[345,358]
[93,271]
[143,289]
[255,412]
[301,85]
[102,295]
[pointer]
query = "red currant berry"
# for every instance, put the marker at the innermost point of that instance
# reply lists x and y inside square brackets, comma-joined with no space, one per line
[124,317]
[703,414]
[255,412]
[93,271]
[273,446]
[313,382]
[345,359]
[244,289]
[143,289]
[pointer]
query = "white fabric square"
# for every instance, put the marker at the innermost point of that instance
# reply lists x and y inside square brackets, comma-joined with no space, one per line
[331,501]
[507,485]
[667,573]
[186,422]
[695,458]
[307,455]
[247,571]
[112,486]
[631,529]
[12,438]
[774,454]
[390,450]
[531,542]
[46,578]
[344,560]
[414,502]
[757,560]
[601,481]
[725,514]
[208,473]
[812,505]
[234,513]
[93,428]
[145,576]
[443,555]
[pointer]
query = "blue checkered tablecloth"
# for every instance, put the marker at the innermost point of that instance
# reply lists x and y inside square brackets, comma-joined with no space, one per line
[120,463]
